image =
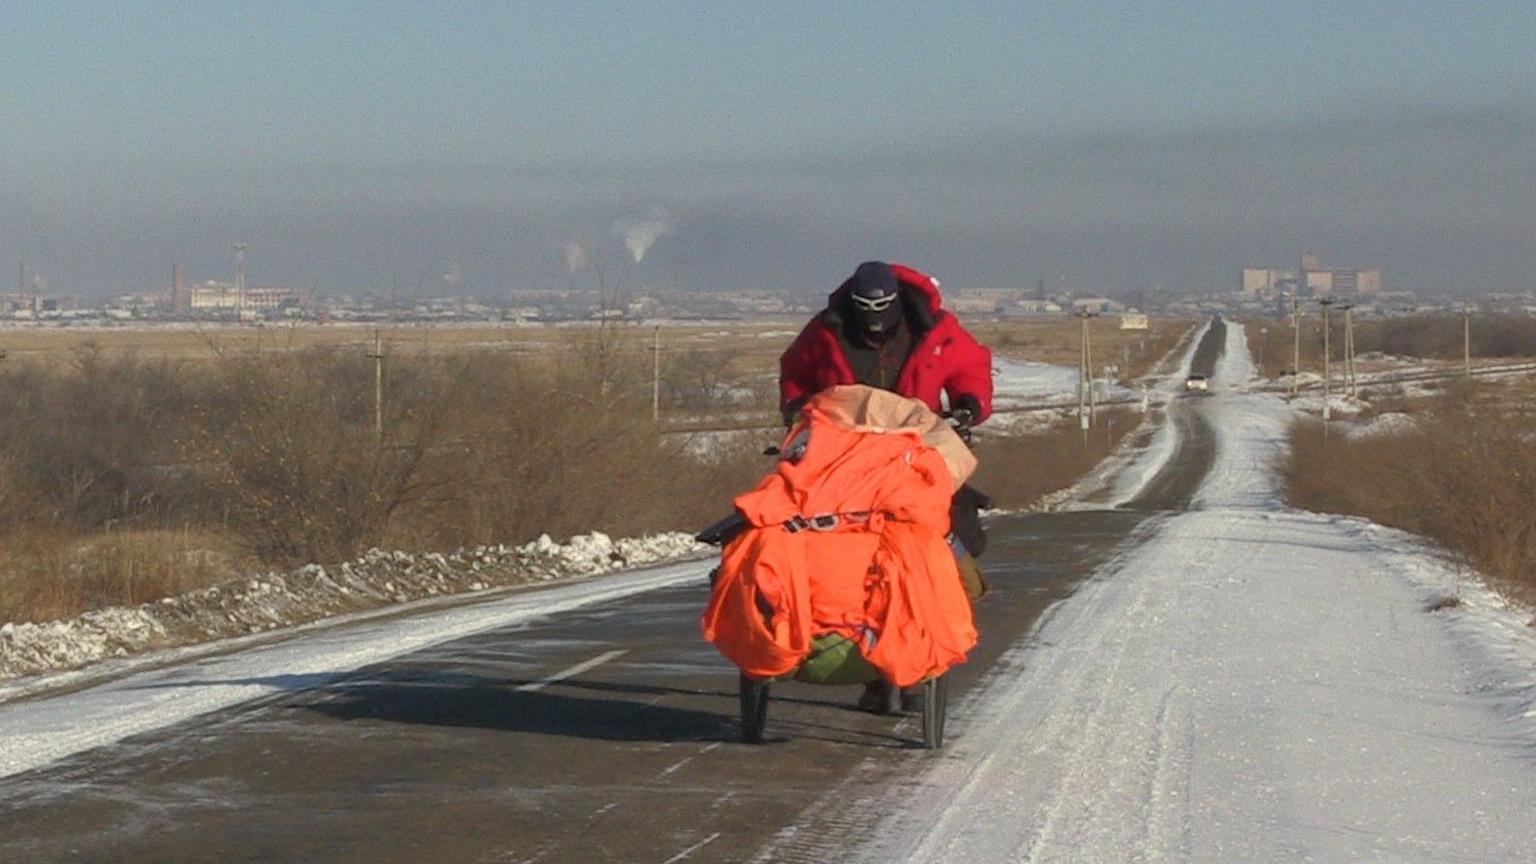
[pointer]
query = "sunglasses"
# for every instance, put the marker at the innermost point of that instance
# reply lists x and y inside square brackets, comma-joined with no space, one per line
[874,304]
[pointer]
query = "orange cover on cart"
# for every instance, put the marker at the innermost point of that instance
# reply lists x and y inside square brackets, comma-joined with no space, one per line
[848,536]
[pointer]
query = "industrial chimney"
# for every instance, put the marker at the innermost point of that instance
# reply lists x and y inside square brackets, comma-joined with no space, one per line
[179,299]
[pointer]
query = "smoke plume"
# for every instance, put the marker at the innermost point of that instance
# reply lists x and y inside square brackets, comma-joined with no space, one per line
[640,234]
[575,256]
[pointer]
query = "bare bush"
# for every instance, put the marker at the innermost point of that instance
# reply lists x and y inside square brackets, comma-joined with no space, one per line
[699,379]
[1436,337]
[82,441]
[288,445]
[1018,470]
[123,479]
[1473,461]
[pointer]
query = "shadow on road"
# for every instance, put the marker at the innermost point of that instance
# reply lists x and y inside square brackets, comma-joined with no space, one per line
[630,713]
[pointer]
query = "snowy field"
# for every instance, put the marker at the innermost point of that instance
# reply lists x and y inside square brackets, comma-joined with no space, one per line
[1252,684]
[1025,382]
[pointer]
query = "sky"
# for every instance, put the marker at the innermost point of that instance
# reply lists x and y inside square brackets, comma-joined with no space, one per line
[488,147]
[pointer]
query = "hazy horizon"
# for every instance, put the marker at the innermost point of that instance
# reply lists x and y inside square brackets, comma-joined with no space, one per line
[357,146]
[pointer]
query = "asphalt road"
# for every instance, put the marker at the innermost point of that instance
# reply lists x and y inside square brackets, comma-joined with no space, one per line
[602,734]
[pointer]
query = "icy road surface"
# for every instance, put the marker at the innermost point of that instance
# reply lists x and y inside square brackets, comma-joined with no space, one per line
[37,732]
[1253,684]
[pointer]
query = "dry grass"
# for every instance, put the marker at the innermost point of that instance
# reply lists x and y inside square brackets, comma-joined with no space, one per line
[55,573]
[1059,340]
[1016,471]
[199,344]
[1466,477]
[135,464]
[115,470]
[1428,337]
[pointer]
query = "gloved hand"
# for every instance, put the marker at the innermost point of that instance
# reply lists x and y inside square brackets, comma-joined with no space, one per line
[964,409]
[792,410]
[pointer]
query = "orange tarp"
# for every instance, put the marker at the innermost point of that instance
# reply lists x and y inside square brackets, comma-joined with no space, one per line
[873,564]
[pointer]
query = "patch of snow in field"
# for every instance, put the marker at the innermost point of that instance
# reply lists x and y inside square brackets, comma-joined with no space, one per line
[1019,381]
[1383,425]
[1339,404]
[1023,382]
[712,447]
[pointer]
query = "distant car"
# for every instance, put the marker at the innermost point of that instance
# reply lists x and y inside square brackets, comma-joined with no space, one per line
[1197,382]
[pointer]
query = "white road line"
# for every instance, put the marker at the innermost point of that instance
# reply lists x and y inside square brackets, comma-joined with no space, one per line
[667,771]
[571,672]
[688,759]
[692,849]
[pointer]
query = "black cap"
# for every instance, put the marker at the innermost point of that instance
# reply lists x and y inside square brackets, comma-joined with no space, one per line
[874,280]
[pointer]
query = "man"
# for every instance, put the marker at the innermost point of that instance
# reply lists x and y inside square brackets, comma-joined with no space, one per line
[886,327]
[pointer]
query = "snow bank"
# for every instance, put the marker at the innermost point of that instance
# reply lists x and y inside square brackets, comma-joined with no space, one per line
[275,600]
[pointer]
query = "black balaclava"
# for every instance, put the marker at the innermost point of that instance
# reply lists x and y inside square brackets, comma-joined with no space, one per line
[875,297]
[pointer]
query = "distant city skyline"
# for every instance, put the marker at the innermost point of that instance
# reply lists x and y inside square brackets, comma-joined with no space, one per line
[482,147]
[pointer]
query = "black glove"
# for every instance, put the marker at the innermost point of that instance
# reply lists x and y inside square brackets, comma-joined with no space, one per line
[792,410]
[965,410]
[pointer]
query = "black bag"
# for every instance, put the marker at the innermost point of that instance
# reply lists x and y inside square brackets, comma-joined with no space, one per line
[965,518]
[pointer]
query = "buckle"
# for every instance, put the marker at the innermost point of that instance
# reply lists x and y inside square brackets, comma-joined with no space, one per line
[824,522]
[796,524]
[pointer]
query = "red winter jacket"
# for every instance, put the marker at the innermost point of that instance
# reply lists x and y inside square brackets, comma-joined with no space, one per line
[944,359]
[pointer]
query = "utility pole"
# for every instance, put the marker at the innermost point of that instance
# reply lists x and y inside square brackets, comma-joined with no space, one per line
[1088,351]
[240,278]
[1349,351]
[1263,349]
[378,388]
[656,375]
[1083,383]
[1466,337]
[1296,348]
[1327,357]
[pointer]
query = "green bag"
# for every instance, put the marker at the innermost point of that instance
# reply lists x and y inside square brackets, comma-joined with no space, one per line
[836,659]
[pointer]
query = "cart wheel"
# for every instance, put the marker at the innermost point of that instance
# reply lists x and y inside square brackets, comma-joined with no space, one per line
[934,691]
[754,709]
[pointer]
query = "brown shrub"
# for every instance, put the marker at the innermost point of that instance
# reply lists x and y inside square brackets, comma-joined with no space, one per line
[51,573]
[287,447]
[1465,478]
[123,479]
[1017,470]
[1437,337]
[276,455]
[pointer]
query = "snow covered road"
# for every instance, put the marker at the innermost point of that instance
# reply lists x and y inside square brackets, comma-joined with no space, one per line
[1250,684]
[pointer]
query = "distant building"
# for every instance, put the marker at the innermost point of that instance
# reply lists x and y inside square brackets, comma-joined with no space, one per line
[1312,278]
[1133,322]
[212,297]
[1258,282]
[981,300]
[1097,305]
